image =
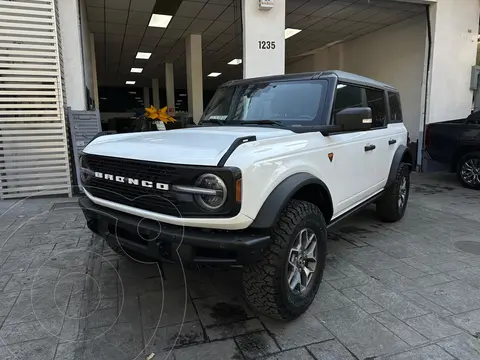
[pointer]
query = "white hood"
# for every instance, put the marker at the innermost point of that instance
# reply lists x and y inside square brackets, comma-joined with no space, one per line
[193,146]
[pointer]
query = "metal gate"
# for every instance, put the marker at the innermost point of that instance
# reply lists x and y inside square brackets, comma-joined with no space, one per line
[84,125]
[33,141]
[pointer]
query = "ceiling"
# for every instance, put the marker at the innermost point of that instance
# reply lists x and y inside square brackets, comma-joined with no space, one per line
[121,29]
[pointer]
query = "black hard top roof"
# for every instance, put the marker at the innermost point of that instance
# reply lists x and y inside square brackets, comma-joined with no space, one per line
[341,75]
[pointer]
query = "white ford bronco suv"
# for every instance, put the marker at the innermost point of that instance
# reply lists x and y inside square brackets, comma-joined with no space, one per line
[272,164]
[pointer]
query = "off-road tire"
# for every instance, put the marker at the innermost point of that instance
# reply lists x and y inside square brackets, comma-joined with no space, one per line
[470,156]
[265,283]
[388,208]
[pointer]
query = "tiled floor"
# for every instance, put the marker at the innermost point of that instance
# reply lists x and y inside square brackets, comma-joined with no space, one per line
[390,291]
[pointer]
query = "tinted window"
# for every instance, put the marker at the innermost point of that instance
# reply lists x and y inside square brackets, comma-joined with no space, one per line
[395,108]
[281,101]
[219,106]
[376,101]
[347,96]
[289,102]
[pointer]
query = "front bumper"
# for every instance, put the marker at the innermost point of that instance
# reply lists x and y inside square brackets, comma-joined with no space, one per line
[161,241]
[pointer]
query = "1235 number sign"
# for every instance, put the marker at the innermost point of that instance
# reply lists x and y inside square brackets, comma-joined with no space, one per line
[266,45]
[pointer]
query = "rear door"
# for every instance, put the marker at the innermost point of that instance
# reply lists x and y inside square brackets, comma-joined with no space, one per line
[390,136]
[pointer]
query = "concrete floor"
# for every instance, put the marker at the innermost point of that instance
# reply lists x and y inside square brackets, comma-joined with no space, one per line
[390,291]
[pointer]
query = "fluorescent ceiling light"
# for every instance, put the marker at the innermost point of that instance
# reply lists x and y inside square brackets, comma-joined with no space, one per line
[130,82]
[289,32]
[138,98]
[214,74]
[235,62]
[136,70]
[143,55]
[158,20]
[132,92]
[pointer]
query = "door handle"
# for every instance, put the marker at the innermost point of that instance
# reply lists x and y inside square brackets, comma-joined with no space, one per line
[392,141]
[370,147]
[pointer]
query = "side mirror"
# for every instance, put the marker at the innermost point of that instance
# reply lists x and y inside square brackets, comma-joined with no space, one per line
[354,119]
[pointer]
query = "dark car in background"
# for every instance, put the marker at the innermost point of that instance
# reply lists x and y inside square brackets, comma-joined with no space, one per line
[456,143]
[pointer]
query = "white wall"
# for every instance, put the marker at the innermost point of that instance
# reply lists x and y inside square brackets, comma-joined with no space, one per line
[455,31]
[263,26]
[394,55]
[74,68]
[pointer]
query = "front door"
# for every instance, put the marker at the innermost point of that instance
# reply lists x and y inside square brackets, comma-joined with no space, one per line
[354,154]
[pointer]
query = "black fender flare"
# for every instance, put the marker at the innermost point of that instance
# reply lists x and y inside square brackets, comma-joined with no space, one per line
[401,154]
[278,199]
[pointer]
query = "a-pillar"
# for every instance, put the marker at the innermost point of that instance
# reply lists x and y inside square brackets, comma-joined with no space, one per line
[146,97]
[263,39]
[193,44]
[155,93]
[170,87]
[454,39]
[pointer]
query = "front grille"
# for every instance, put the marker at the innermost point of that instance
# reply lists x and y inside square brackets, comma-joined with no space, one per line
[151,199]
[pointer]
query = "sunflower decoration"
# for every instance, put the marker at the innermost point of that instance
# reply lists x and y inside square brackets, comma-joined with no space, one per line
[159,115]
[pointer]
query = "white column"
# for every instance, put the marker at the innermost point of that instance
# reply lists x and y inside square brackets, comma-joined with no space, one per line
[170,87]
[156,93]
[454,52]
[146,97]
[263,39]
[193,45]
[73,66]
[94,71]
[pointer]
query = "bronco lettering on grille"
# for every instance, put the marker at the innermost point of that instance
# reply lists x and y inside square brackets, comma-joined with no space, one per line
[132,181]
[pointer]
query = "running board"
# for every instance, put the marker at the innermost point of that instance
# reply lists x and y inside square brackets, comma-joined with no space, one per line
[355,209]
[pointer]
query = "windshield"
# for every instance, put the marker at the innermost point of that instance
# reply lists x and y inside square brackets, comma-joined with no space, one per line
[286,103]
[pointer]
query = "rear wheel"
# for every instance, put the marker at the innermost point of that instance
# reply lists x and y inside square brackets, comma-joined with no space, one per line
[392,204]
[468,170]
[284,283]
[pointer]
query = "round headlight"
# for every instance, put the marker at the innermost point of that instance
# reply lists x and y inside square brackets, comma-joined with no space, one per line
[218,196]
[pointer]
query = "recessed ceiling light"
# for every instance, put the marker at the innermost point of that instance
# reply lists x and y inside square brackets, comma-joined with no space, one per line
[159,20]
[289,32]
[136,70]
[214,74]
[130,82]
[235,62]
[143,55]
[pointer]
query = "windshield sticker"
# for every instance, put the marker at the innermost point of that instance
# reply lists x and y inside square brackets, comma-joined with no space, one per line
[218,117]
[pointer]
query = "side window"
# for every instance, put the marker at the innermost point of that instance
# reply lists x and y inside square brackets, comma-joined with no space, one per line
[347,96]
[376,101]
[395,108]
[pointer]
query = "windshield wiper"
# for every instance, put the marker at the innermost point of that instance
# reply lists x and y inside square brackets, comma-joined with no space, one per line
[262,122]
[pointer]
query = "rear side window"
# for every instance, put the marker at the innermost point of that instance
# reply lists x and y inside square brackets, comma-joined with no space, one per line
[395,108]
[376,101]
